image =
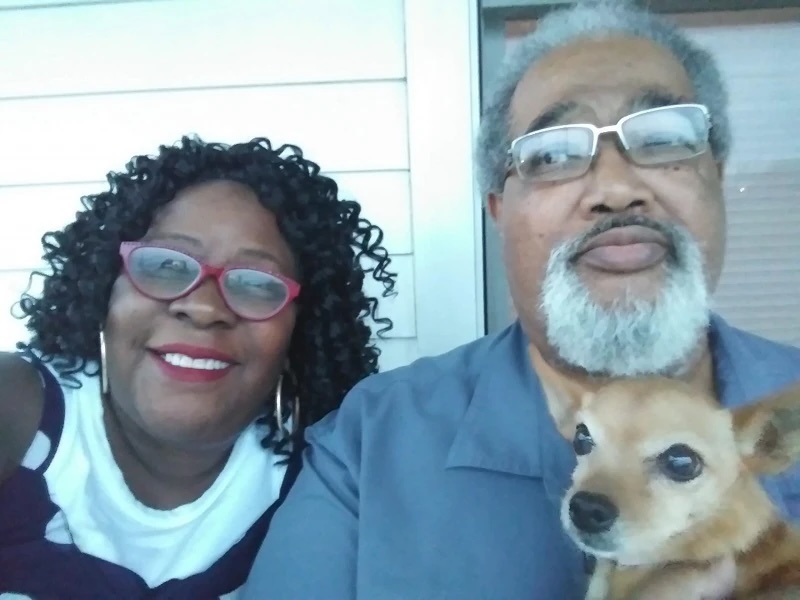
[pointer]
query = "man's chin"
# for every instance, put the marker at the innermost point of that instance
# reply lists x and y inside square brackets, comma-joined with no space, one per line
[617,290]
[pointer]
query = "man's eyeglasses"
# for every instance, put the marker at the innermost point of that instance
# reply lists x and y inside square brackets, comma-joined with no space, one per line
[164,273]
[655,136]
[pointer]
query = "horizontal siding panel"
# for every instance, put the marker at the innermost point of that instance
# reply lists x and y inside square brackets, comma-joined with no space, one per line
[12,285]
[399,308]
[14,4]
[339,126]
[396,353]
[384,197]
[198,43]
[386,201]
[33,211]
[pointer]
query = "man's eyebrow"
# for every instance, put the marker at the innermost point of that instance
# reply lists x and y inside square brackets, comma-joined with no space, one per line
[656,98]
[551,116]
[649,98]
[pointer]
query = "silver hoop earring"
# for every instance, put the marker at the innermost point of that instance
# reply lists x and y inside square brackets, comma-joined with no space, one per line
[279,410]
[103,371]
[279,405]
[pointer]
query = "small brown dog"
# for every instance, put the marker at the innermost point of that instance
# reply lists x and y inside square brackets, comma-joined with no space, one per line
[665,476]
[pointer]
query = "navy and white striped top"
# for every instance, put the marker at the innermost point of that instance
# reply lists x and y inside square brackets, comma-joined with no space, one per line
[71,528]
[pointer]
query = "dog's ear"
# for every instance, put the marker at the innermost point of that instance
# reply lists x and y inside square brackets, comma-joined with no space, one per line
[768,432]
[564,404]
[564,397]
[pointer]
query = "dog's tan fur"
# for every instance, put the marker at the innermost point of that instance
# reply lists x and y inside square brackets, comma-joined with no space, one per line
[664,524]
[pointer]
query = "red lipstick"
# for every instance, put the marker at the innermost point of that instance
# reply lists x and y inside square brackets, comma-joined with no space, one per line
[194,352]
[184,370]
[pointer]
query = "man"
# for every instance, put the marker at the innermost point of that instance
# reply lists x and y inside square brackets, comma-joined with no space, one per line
[444,479]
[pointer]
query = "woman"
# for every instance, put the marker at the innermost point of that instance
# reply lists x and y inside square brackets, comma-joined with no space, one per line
[197,316]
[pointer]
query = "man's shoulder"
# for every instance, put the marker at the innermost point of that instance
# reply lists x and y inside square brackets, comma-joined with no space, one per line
[781,357]
[442,385]
[460,366]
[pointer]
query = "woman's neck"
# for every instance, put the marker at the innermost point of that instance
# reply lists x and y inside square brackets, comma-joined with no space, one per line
[161,476]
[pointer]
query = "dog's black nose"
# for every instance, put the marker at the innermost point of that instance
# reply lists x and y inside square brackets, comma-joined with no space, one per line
[592,513]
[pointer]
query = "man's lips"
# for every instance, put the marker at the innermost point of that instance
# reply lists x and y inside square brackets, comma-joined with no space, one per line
[624,249]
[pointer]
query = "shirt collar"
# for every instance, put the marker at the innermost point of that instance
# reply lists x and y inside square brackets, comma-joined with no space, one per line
[740,374]
[500,428]
[508,429]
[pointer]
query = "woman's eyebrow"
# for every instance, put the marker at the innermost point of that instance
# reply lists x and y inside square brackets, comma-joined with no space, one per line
[257,253]
[169,237]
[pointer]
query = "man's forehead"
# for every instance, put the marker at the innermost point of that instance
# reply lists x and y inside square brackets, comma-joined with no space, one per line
[603,76]
[607,106]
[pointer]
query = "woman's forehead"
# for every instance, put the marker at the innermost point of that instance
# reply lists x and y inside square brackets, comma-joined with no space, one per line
[224,220]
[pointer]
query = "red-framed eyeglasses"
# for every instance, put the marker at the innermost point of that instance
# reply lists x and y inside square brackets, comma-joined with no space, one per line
[164,273]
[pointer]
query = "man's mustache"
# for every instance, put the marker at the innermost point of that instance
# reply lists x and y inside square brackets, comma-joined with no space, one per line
[577,245]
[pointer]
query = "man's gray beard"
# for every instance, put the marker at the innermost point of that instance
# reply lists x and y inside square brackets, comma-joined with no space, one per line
[632,336]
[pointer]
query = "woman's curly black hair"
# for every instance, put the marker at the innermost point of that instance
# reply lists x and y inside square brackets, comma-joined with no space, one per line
[331,347]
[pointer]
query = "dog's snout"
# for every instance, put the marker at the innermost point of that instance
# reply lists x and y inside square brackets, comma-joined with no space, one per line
[592,513]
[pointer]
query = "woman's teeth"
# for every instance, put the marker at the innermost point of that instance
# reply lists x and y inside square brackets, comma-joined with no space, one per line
[187,362]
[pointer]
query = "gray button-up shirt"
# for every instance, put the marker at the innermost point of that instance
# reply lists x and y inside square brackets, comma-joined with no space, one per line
[444,479]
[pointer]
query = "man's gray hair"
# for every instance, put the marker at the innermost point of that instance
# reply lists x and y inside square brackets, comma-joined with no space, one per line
[593,19]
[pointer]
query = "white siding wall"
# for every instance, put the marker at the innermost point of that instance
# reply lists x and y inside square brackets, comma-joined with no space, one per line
[378,92]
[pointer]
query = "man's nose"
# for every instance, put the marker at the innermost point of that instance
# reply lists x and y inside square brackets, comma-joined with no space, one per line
[614,184]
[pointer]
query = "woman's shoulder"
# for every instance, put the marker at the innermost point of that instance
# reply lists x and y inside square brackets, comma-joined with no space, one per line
[21,407]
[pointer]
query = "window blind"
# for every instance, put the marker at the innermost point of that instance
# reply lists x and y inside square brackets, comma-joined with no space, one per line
[760,286]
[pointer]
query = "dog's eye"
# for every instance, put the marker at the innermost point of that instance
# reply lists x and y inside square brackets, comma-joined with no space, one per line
[582,442]
[680,463]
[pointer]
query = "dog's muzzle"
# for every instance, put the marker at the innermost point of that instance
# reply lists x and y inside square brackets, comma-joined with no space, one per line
[592,513]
